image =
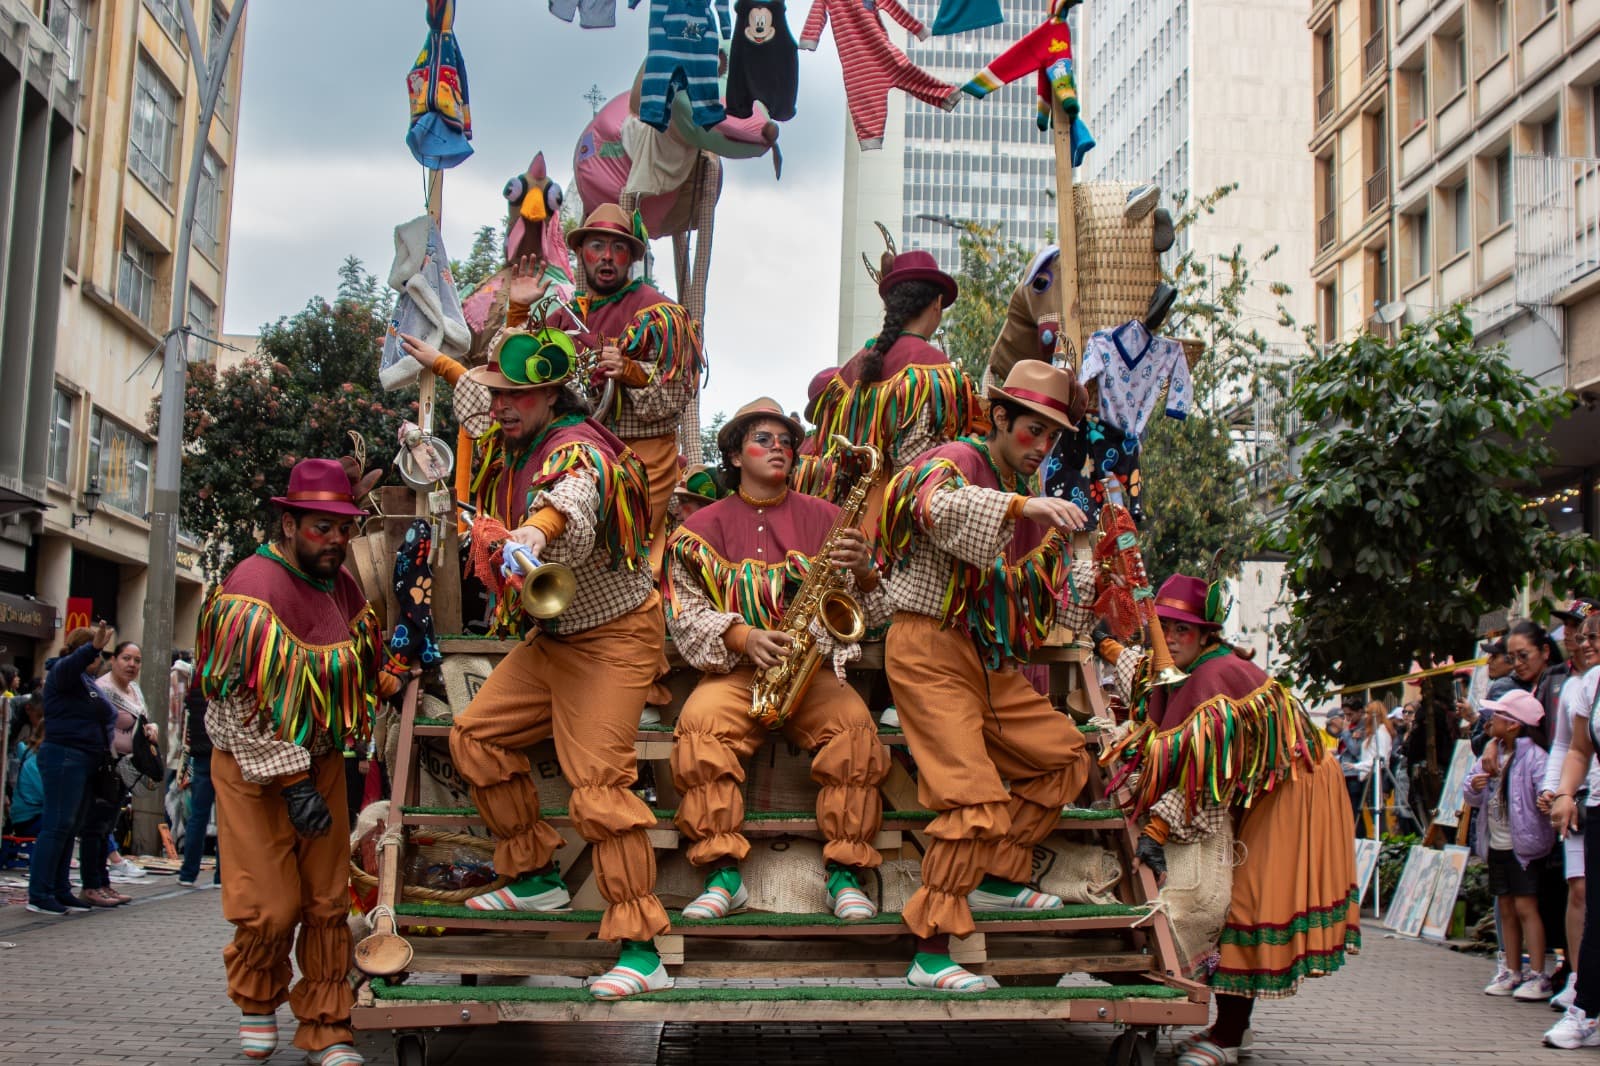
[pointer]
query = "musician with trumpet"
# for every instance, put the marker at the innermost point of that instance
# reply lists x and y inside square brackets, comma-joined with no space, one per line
[768,591]
[566,491]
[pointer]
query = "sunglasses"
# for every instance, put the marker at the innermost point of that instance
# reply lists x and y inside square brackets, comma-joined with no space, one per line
[1521,656]
[763,439]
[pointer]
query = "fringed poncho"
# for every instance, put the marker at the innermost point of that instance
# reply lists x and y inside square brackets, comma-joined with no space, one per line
[1225,737]
[307,649]
[957,555]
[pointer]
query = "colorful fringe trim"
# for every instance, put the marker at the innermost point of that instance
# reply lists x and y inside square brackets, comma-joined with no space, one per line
[1228,751]
[672,335]
[756,591]
[1009,608]
[879,413]
[308,689]
[624,497]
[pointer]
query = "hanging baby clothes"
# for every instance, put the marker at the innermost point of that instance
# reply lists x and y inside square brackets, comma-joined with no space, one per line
[441,117]
[1046,51]
[1084,463]
[959,16]
[872,65]
[592,14]
[1131,367]
[683,58]
[764,63]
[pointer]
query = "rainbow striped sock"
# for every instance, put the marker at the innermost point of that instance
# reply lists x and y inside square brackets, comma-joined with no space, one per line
[258,1035]
[337,1055]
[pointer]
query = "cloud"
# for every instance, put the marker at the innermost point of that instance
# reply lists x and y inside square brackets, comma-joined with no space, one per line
[323,172]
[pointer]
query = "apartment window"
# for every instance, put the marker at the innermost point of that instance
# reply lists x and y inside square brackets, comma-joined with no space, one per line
[1500,27]
[1502,188]
[202,319]
[1328,203]
[1453,60]
[208,206]
[120,458]
[166,13]
[65,19]
[136,278]
[1421,244]
[1380,276]
[219,19]
[60,436]
[1414,83]
[1549,143]
[1460,219]
[153,136]
[1328,314]
[1324,45]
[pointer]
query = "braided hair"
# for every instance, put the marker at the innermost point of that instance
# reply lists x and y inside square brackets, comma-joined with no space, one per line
[901,304]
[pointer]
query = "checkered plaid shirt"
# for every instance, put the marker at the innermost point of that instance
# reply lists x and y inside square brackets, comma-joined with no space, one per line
[1184,829]
[603,593]
[653,409]
[234,726]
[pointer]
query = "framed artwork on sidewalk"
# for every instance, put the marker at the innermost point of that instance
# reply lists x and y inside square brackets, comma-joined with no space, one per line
[1409,906]
[1452,866]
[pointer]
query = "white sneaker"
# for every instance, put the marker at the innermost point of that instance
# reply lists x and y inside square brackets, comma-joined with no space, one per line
[1024,899]
[650,716]
[1504,984]
[1536,988]
[889,719]
[125,871]
[1567,996]
[1574,1030]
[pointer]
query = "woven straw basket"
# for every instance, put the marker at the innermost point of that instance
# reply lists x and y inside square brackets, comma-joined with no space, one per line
[1117,265]
[439,846]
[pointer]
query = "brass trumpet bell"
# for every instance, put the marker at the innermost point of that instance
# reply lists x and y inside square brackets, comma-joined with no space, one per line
[547,590]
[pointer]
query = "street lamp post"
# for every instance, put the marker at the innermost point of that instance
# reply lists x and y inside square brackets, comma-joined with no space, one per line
[161,587]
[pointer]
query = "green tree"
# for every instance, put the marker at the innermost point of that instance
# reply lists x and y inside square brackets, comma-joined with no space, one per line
[711,456]
[485,258]
[1409,519]
[1192,498]
[313,379]
[990,269]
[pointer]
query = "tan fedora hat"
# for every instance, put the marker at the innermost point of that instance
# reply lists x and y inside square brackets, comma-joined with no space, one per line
[732,431]
[607,220]
[1049,391]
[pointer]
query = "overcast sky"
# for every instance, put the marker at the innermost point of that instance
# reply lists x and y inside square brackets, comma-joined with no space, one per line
[323,170]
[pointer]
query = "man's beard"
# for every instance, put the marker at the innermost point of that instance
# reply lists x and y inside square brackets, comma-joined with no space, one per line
[314,562]
[605,289]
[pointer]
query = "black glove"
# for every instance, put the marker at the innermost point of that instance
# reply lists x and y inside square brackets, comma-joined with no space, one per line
[1102,632]
[308,812]
[1153,855]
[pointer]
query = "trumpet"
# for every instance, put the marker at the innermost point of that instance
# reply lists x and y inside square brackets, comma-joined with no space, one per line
[547,588]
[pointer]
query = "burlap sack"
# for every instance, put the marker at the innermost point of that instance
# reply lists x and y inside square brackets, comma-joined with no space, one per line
[898,879]
[778,778]
[1198,890]
[786,875]
[1075,870]
[463,676]
[438,784]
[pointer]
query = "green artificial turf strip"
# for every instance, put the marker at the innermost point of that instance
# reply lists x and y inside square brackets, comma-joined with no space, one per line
[433,721]
[806,993]
[763,919]
[1072,814]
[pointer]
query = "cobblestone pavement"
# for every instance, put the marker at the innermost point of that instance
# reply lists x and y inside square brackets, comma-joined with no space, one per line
[144,985]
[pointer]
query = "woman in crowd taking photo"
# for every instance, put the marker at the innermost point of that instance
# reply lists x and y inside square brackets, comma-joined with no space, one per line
[120,684]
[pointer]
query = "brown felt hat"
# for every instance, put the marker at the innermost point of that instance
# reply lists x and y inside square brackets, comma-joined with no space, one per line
[732,431]
[607,220]
[1044,389]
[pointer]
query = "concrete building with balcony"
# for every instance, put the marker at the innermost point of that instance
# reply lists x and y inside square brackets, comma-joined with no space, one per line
[1465,169]
[128,158]
[1350,151]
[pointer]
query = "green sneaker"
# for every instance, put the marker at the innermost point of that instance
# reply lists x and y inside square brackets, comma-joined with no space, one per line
[941,974]
[638,970]
[535,892]
[849,903]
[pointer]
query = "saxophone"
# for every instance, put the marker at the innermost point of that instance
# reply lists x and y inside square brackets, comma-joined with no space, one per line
[821,597]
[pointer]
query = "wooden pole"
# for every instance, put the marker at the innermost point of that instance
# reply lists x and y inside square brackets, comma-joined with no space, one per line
[1070,337]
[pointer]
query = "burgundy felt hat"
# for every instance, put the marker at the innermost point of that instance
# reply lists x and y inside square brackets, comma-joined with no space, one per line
[819,382]
[320,485]
[919,266]
[1182,598]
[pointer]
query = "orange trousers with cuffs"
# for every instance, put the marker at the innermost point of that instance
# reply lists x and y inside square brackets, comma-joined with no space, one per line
[276,882]
[587,691]
[660,458]
[715,734]
[972,730]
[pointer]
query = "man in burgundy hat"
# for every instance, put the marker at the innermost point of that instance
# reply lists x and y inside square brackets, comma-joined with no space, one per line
[1227,729]
[900,393]
[647,344]
[289,659]
[732,570]
[966,516]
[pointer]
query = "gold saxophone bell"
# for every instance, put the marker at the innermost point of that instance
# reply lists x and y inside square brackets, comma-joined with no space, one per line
[547,588]
[1163,671]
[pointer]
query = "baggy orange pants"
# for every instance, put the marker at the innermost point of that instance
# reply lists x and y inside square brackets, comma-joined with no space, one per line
[586,690]
[274,881]
[715,733]
[660,458]
[971,730]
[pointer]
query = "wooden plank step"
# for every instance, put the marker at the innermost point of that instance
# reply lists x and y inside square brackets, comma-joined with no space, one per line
[1073,818]
[513,955]
[1071,918]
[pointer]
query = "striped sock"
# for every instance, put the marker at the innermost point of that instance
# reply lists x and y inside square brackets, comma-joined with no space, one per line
[258,1035]
[337,1055]
[638,970]
[941,974]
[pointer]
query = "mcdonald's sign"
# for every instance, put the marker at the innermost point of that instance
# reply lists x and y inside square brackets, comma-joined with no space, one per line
[80,612]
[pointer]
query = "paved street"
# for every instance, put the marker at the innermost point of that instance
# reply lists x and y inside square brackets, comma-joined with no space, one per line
[143,985]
